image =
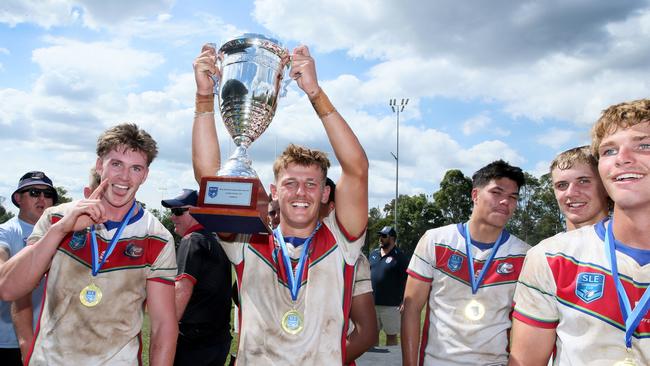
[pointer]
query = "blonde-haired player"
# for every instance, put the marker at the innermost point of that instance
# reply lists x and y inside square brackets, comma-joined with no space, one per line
[585,291]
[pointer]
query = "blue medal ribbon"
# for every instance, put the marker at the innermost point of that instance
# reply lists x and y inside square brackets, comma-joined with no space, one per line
[294,280]
[94,249]
[476,282]
[632,318]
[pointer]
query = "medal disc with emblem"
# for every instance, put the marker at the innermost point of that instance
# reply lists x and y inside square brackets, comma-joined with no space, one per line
[91,295]
[292,322]
[474,311]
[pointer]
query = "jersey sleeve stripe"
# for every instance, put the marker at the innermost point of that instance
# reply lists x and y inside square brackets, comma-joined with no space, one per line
[186,276]
[535,322]
[166,281]
[414,274]
[344,231]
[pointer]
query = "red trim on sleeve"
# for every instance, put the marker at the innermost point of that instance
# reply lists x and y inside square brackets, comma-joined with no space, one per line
[187,277]
[418,276]
[348,278]
[534,322]
[162,280]
[345,232]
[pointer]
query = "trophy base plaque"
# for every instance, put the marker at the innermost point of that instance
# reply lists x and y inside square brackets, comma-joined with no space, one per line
[232,205]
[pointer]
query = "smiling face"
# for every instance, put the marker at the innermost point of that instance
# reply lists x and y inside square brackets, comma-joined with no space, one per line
[580,195]
[125,170]
[300,191]
[624,165]
[495,203]
[31,208]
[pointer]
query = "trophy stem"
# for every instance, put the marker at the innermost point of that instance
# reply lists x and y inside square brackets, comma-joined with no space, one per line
[238,165]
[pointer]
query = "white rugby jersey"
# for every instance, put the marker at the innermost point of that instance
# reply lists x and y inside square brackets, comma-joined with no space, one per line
[324,298]
[449,337]
[69,333]
[567,284]
[362,283]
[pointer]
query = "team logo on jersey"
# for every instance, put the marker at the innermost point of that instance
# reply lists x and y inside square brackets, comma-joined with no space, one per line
[589,286]
[454,262]
[505,268]
[78,240]
[389,259]
[213,191]
[133,251]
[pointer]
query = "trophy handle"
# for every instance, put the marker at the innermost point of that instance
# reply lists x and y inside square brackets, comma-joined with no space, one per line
[216,84]
[285,84]
[286,68]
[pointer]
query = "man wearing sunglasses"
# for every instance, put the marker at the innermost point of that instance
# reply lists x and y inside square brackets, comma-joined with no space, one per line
[34,194]
[203,289]
[388,266]
[104,257]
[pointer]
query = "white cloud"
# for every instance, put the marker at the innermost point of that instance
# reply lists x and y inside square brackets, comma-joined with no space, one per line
[112,13]
[476,124]
[541,168]
[555,137]
[565,60]
[94,14]
[43,13]
[101,62]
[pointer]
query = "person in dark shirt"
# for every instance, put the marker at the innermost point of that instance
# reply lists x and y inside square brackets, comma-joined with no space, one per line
[203,289]
[388,275]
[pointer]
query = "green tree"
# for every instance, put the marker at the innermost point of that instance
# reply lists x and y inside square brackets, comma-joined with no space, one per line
[415,215]
[454,198]
[4,214]
[537,216]
[164,217]
[376,221]
[522,223]
[550,220]
[63,195]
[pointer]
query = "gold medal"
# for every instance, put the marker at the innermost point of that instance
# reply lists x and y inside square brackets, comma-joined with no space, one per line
[91,295]
[474,310]
[292,322]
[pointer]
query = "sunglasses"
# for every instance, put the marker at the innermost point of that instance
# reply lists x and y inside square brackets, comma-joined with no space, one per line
[179,211]
[383,235]
[36,192]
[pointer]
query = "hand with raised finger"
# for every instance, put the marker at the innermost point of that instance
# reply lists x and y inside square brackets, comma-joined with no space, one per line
[86,212]
[303,71]
[205,66]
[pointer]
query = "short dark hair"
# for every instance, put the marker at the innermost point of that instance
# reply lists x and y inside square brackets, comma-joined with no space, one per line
[496,170]
[330,183]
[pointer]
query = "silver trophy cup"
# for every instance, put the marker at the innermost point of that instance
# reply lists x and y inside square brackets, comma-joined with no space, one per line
[252,68]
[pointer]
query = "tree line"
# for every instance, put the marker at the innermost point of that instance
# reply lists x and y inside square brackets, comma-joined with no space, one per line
[537,216]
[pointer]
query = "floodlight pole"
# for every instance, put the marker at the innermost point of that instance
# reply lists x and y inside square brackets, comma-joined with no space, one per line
[397,109]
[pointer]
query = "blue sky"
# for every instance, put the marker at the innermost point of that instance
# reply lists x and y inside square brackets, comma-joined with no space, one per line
[518,80]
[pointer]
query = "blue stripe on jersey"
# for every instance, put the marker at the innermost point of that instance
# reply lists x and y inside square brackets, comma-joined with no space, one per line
[479,244]
[295,241]
[641,256]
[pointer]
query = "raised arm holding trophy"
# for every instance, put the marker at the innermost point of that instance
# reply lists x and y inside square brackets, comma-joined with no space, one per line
[295,286]
[247,85]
